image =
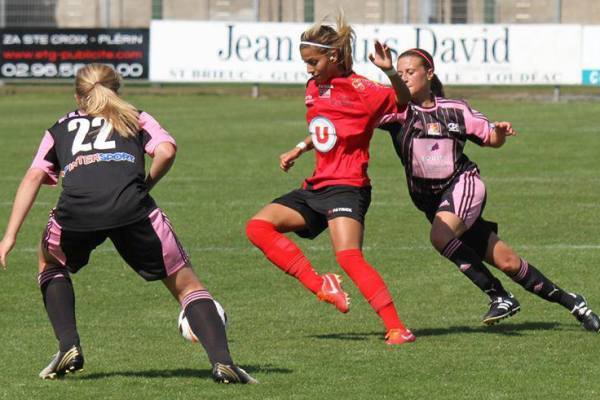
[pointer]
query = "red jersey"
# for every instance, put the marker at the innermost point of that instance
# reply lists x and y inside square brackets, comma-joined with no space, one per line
[341,117]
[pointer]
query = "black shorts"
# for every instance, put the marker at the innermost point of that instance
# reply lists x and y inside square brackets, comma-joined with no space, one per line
[149,246]
[319,206]
[478,235]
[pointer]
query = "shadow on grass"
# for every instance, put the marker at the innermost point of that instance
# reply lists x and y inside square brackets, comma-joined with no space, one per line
[181,373]
[508,329]
[353,336]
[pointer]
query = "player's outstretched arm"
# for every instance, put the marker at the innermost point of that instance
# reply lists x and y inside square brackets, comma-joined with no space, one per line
[286,160]
[164,157]
[500,132]
[382,58]
[24,199]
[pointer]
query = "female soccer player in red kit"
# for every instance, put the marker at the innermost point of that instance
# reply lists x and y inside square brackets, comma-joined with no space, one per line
[429,133]
[98,151]
[343,109]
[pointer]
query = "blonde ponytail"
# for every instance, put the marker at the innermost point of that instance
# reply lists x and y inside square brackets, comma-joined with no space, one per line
[346,36]
[340,38]
[97,86]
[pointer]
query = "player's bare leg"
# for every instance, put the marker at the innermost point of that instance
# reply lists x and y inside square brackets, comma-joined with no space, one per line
[446,229]
[533,280]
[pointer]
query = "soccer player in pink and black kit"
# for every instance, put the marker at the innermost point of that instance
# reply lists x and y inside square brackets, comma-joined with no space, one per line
[343,109]
[429,134]
[98,150]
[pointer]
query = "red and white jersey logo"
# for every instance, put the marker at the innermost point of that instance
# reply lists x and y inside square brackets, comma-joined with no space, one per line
[322,132]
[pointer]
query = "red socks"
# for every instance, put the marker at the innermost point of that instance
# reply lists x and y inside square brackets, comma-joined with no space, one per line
[370,284]
[282,252]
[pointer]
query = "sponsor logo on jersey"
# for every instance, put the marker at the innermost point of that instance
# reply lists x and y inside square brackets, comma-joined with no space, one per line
[453,127]
[358,84]
[97,157]
[435,157]
[325,91]
[434,129]
[322,133]
[308,100]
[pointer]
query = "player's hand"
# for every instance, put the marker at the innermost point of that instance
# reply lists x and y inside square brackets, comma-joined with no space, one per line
[382,56]
[286,160]
[6,246]
[505,128]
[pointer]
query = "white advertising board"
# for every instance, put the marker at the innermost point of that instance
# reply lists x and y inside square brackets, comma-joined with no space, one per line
[463,54]
[590,55]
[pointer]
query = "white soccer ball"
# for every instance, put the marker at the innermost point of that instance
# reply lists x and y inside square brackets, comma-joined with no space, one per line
[186,330]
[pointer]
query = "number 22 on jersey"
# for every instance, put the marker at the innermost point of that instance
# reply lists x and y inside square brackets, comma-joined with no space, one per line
[82,126]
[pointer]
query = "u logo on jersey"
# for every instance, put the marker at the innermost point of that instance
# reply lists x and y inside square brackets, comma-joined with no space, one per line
[322,132]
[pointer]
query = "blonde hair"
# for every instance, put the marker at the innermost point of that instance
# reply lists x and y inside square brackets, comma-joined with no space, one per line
[97,87]
[340,38]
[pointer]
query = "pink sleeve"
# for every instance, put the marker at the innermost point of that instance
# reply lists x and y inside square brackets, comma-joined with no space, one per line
[477,125]
[43,159]
[398,116]
[156,134]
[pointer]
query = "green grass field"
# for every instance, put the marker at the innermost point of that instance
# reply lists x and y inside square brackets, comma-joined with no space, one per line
[543,188]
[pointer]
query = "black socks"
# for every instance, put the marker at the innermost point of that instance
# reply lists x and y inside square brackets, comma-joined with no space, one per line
[471,265]
[59,300]
[207,325]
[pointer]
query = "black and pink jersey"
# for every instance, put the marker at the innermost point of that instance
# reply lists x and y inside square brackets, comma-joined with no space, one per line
[103,174]
[430,144]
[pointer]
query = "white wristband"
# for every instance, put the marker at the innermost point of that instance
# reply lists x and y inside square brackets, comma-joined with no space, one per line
[391,72]
[302,145]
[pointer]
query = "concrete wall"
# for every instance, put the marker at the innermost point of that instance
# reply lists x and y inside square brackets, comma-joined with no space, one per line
[103,13]
[137,13]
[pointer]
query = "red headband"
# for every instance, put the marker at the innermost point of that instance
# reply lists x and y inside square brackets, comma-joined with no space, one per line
[419,52]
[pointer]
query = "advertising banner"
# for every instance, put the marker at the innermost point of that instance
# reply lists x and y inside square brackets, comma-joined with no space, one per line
[590,68]
[186,51]
[58,53]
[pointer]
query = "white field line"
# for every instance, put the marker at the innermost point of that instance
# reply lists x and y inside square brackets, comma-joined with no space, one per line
[561,246]
[161,203]
[37,203]
[233,203]
[399,179]
[258,204]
